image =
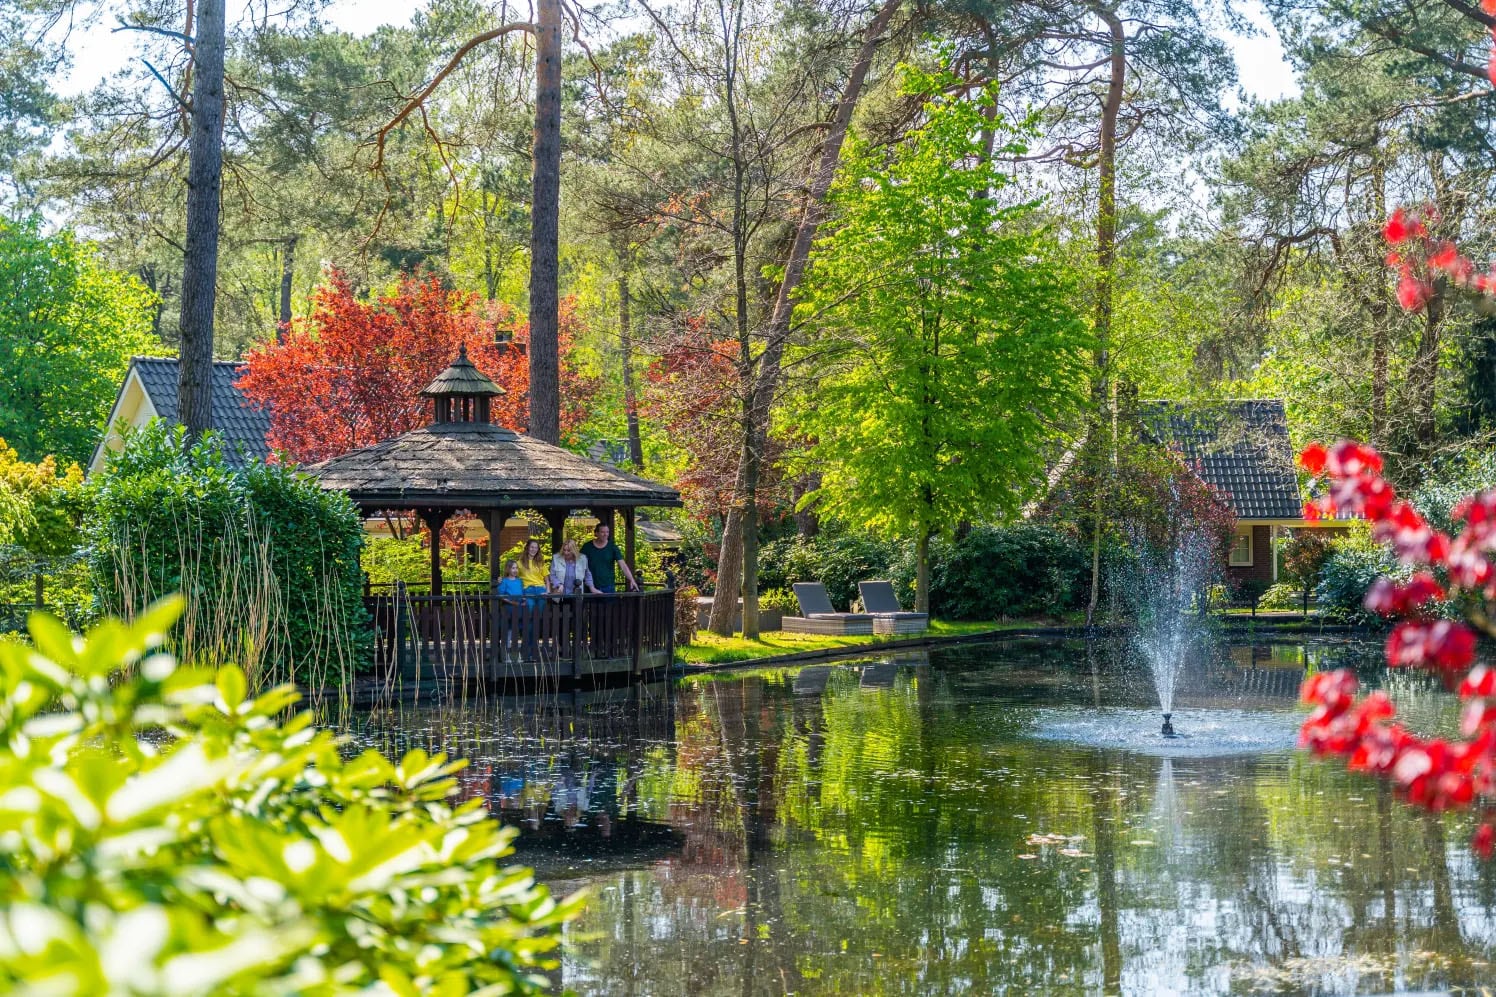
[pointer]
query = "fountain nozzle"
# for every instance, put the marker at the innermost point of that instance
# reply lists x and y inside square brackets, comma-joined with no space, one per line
[1168,730]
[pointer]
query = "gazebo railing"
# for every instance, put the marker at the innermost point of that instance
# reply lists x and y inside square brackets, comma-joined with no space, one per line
[480,636]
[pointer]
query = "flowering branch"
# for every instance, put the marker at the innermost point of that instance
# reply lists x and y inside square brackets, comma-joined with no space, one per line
[1431,773]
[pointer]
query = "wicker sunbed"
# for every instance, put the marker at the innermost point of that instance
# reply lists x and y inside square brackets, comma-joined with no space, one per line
[818,617]
[889,617]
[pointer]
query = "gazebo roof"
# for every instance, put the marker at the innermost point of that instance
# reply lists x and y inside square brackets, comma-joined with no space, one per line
[472,465]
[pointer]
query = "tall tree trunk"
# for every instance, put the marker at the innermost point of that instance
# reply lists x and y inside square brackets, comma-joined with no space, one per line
[200,258]
[630,400]
[1425,370]
[729,575]
[807,523]
[288,270]
[922,571]
[1380,317]
[545,209]
[1102,396]
[741,515]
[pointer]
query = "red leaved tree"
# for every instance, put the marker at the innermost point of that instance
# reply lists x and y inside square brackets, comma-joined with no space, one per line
[351,373]
[690,389]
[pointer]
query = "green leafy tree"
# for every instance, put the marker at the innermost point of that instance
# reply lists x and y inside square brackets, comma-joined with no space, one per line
[950,342]
[40,508]
[68,327]
[168,834]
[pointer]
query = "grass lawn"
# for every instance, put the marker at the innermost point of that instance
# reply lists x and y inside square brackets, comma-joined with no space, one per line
[710,649]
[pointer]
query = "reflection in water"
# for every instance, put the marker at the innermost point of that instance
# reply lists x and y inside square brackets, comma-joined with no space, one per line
[910,829]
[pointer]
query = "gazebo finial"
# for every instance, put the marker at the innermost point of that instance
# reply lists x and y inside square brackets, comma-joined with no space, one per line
[461,393]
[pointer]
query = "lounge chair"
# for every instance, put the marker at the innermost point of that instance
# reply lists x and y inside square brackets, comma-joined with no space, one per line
[818,617]
[888,616]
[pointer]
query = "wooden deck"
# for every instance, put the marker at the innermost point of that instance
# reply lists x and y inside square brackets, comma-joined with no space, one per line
[477,637]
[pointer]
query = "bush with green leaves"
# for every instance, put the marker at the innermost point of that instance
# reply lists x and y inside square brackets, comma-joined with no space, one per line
[162,833]
[267,559]
[779,600]
[1451,478]
[387,560]
[995,572]
[1281,596]
[1354,563]
[836,558]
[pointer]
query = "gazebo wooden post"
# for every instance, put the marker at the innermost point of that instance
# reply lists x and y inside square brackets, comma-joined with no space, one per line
[604,516]
[435,519]
[494,520]
[628,538]
[556,520]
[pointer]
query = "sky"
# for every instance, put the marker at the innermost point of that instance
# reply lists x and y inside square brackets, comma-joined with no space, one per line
[98,52]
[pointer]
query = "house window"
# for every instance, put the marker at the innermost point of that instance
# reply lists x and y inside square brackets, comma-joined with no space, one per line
[1241,548]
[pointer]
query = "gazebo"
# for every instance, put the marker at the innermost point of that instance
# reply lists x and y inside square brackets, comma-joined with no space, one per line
[462,462]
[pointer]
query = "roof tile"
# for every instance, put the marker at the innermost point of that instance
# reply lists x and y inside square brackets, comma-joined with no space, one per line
[1241,448]
[243,426]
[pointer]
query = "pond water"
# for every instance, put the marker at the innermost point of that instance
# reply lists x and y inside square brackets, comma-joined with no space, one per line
[1000,818]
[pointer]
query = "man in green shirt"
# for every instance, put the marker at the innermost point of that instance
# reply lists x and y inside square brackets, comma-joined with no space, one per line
[602,554]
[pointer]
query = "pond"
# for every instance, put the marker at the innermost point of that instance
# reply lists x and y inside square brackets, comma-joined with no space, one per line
[999,818]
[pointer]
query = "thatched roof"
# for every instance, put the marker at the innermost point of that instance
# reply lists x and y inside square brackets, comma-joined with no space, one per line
[471,465]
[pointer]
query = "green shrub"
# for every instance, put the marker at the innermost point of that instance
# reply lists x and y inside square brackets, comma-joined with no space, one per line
[1281,596]
[695,560]
[685,614]
[838,559]
[1025,569]
[1248,592]
[266,558]
[1302,558]
[1452,478]
[782,600]
[165,834]
[390,559]
[1355,561]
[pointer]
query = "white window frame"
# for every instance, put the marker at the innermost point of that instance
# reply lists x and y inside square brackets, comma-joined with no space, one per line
[1233,559]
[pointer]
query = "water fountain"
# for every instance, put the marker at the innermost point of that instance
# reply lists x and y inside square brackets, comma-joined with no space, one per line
[1159,586]
[1162,589]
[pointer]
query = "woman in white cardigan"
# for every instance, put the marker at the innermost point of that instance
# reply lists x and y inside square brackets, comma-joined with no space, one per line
[570,572]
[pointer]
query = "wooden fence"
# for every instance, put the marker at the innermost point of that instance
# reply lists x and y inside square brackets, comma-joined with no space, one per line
[479,635]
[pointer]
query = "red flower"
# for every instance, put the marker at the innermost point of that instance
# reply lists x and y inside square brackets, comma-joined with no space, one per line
[1350,459]
[1441,645]
[1324,688]
[1388,598]
[1396,229]
[1480,682]
[1446,257]
[1412,293]
[1484,841]
[1477,716]
[1312,458]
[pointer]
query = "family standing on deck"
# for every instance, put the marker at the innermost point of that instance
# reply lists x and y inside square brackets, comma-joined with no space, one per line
[591,568]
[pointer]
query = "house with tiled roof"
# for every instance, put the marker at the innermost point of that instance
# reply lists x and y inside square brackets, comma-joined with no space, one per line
[1241,449]
[149,391]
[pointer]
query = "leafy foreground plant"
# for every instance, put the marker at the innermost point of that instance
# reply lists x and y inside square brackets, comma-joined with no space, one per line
[1433,773]
[160,833]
